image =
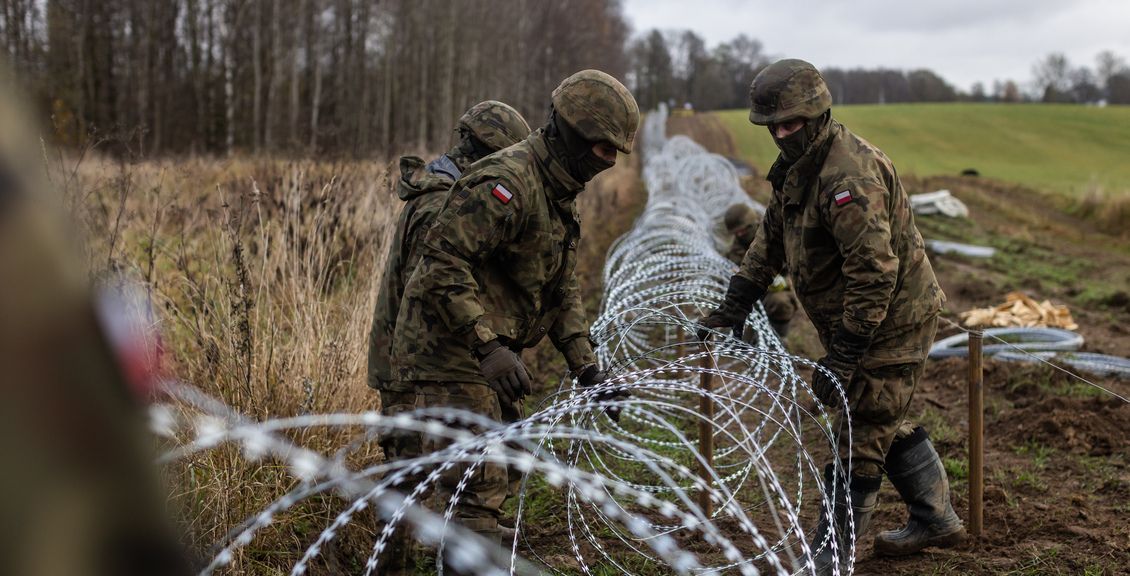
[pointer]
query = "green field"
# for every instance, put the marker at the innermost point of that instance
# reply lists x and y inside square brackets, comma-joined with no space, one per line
[1059,148]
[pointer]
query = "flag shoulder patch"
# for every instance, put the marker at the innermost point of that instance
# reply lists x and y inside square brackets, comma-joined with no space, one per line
[499,191]
[842,198]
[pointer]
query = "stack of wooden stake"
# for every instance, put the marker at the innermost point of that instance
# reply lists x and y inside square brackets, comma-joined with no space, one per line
[1020,310]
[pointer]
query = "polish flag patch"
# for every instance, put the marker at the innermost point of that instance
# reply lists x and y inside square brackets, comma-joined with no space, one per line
[843,198]
[499,191]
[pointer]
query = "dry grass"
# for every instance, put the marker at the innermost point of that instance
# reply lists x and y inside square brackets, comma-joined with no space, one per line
[1109,210]
[262,274]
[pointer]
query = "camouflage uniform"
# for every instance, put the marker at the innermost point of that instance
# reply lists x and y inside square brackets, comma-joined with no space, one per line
[483,129]
[780,304]
[857,262]
[841,220]
[498,265]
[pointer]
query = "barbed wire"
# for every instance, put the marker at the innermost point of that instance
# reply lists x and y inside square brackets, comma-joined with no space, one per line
[630,488]
[1036,348]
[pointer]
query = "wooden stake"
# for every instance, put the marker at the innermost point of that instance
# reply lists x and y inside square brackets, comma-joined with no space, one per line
[976,435]
[706,433]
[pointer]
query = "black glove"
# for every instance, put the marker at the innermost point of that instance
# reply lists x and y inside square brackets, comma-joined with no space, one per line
[740,298]
[592,376]
[504,371]
[844,353]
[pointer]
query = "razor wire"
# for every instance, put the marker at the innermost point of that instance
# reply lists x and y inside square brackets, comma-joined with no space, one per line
[629,488]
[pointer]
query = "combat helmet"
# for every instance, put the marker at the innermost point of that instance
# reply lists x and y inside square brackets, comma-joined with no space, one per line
[599,108]
[495,124]
[788,89]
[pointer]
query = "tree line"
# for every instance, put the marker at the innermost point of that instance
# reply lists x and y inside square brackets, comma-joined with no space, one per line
[356,76]
[1057,80]
[303,76]
[676,67]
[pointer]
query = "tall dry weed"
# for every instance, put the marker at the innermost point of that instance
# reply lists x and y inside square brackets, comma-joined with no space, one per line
[263,276]
[262,273]
[1108,209]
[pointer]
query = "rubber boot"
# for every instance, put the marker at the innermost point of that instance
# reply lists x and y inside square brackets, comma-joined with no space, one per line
[864,496]
[916,471]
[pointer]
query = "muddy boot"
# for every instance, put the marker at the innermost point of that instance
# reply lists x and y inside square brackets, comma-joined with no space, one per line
[917,473]
[864,496]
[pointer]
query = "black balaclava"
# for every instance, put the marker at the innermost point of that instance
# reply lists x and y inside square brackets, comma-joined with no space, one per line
[574,152]
[794,145]
[468,150]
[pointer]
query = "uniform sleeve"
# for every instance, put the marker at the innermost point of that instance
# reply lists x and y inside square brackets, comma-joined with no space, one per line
[766,256]
[858,215]
[570,332]
[468,229]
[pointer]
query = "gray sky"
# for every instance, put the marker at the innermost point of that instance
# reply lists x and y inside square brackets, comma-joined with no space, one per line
[964,41]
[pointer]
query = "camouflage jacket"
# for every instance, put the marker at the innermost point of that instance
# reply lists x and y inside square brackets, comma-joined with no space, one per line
[498,263]
[841,220]
[423,189]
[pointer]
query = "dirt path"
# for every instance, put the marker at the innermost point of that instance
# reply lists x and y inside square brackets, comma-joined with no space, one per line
[1057,474]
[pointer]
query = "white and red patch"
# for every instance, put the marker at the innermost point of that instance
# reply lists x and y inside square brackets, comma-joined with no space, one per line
[843,198]
[499,191]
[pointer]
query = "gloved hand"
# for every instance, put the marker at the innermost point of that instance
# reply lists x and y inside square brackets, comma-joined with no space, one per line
[740,298]
[844,353]
[591,376]
[504,371]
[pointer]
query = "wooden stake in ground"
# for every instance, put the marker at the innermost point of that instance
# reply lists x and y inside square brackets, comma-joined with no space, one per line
[706,432]
[976,435]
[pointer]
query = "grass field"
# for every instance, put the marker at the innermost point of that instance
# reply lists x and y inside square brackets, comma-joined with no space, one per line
[1071,150]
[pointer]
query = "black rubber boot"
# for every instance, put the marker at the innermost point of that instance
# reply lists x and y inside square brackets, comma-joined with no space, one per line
[916,471]
[864,496]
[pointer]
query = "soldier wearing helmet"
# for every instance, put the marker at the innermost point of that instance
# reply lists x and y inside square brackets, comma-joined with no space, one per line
[841,222]
[483,129]
[496,275]
[742,221]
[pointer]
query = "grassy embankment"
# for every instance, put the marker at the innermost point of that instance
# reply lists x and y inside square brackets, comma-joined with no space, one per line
[1073,150]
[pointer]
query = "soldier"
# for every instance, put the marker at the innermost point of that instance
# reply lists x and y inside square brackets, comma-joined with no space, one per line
[742,221]
[484,128]
[496,274]
[840,219]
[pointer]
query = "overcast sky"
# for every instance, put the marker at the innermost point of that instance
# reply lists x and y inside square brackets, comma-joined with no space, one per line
[964,41]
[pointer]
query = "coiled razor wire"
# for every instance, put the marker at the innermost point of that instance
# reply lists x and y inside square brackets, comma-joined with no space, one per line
[630,488]
[1036,344]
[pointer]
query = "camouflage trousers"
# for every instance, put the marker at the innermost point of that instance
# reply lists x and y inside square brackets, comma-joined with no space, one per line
[879,397]
[478,508]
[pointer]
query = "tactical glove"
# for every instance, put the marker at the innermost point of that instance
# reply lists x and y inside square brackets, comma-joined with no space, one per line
[591,376]
[740,298]
[504,371]
[844,353]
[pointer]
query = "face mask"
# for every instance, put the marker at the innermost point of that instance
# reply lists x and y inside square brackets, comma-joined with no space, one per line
[468,150]
[579,159]
[792,146]
[745,235]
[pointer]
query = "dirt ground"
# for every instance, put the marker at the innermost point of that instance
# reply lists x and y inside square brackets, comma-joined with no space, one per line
[1057,480]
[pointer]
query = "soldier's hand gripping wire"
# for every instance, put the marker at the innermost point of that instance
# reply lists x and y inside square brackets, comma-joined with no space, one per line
[732,313]
[591,376]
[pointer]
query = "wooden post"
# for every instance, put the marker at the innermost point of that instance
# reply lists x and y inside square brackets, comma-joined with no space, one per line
[976,435]
[706,433]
